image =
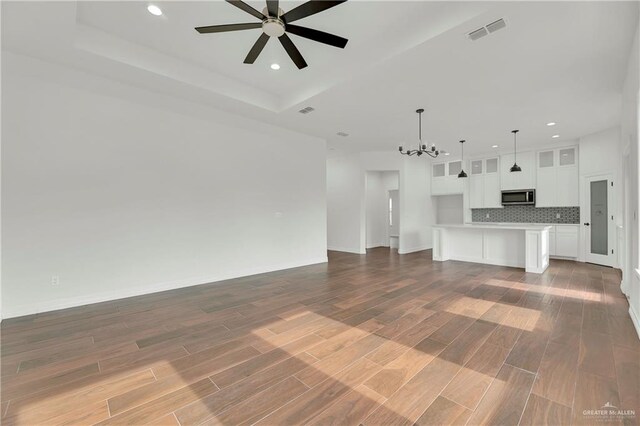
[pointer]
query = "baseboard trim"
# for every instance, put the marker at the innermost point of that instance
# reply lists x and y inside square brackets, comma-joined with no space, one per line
[414,249]
[635,319]
[55,305]
[345,250]
[378,246]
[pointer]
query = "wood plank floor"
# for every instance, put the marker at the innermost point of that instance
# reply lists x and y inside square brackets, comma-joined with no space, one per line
[376,340]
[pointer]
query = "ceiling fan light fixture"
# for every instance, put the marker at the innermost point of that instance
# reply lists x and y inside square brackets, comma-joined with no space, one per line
[273,27]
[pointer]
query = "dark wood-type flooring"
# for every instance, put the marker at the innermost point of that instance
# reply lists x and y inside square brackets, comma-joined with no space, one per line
[379,339]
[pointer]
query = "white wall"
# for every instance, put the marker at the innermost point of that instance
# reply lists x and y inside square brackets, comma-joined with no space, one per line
[416,208]
[346,201]
[449,208]
[345,205]
[629,138]
[599,153]
[118,195]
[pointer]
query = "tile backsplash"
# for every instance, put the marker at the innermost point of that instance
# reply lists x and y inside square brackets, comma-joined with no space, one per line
[527,214]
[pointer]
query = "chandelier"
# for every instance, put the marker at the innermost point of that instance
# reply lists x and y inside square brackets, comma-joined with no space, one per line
[422,148]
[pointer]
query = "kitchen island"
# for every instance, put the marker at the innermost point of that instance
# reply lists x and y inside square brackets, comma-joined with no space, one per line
[517,245]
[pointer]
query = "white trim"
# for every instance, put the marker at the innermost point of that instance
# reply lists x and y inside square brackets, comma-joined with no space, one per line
[415,249]
[54,305]
[487,261]
[635,317]
[346,250]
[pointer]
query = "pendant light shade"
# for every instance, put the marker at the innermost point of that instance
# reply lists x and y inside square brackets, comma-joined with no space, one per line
[515,167]
[462,173]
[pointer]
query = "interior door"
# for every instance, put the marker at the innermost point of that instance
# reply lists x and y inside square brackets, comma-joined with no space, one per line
[600,229]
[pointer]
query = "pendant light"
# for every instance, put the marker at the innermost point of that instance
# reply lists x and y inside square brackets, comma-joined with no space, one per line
[515,167]
[462,173]
[422,149]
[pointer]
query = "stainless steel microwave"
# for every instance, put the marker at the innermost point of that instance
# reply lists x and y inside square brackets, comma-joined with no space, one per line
[519,197]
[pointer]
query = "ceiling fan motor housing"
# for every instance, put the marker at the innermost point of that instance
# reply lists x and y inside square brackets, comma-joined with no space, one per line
[273,27]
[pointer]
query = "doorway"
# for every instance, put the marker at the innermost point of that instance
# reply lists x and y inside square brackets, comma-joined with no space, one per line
[599,225]
[394,218]
[382,209]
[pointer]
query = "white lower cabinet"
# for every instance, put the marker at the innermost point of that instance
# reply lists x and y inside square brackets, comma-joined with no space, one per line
[563,241]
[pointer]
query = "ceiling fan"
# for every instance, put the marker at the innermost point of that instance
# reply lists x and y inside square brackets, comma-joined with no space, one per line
[276,23]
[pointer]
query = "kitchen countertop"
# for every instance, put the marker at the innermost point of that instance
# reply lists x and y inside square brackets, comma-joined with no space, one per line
[487,225]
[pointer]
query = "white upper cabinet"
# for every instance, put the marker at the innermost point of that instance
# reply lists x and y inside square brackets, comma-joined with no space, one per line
[557,178]
[526,179]
[444,178]
[484,184]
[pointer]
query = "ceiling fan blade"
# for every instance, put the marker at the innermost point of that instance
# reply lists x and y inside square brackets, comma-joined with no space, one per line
[228,27]
[319,36]
[309,8]
[243,6]
[293,51]
[273,8]
[256,49]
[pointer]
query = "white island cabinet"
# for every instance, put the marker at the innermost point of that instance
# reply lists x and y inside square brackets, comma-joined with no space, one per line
[516,245]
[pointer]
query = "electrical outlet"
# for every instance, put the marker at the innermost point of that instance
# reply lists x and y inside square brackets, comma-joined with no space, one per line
[557,215]
[487,216]
[55,280]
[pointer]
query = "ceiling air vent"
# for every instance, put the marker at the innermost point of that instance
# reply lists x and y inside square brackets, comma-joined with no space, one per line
[496,25]
[489,28]
[343,134]
[306,110]
[481,32]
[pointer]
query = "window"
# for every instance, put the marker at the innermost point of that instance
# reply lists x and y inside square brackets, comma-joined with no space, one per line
[390,211]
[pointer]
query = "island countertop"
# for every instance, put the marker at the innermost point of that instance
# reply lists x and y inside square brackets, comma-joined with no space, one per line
[487,225]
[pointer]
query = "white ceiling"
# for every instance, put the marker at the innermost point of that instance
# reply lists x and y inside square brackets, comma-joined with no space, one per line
[555,61]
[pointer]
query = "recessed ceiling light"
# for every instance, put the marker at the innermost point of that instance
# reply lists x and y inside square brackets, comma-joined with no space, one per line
[555,136]
[494,146]
[154,10]
[275,66]
[551,123]
[446,153]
